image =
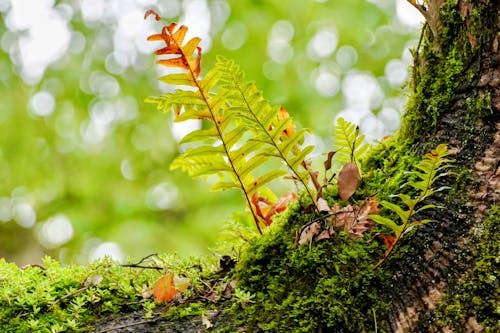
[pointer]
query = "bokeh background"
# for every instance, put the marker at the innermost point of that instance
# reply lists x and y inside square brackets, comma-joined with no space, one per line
[84,162]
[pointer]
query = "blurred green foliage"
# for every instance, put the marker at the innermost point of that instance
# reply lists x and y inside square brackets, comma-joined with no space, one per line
[79,147]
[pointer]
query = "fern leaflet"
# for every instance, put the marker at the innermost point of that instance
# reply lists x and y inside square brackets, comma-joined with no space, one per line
[349,145]
[270,125]
[429,169]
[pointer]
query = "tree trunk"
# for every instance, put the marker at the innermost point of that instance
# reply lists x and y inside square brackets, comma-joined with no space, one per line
[456,101]
[438,285]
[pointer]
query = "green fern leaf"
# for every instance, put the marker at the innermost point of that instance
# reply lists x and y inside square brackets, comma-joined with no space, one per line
[428,170]
[267,124]
[348,144]
[179,79]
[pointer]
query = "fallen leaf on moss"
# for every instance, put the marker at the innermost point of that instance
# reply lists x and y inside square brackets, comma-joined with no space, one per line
[348,180]
[265,209]
[308,232]
[167,287]
[354,220]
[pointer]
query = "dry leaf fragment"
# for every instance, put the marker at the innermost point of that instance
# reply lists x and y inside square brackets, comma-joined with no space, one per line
[354,220]
[166,288]
[348,180]
[325,234]
[265,209]
[308,232]
[323,205]
[152,12]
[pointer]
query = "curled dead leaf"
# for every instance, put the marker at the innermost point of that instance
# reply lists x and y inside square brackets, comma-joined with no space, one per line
[323,205]
[354,220]
[308,232]
[265,209]
[348,180]
[167,287]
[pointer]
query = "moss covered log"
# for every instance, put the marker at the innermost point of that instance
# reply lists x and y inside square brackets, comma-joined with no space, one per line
[442,277]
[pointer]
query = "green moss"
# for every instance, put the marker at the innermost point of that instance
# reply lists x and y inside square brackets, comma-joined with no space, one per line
[388,166]
[55,298]
[328,285]
[477,291]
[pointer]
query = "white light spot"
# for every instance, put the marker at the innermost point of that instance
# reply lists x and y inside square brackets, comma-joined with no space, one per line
[103,84]
[407,14]
[220,11]
[107,249]
[346,57]
[4,5]
[78,42]
[92,132]
[353,115]
[326,84]
[396,72]
[42,104]
[362,90]
[280,51]
[323,44]
[180,130]
[372,127]
[162,196]
[24,215]
[278,43]
[234,36]
[45,39]
[282,30]
[56,231]
[391,119]
[126,169]
[197,18]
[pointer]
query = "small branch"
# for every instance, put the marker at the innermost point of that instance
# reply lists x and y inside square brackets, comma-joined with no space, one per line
[139,263]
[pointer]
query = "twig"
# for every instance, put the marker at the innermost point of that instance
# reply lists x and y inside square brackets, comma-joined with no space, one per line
[138,264]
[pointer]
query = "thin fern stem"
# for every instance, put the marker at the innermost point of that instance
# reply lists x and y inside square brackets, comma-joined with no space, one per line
[226,150]
[275,145]
[219,133]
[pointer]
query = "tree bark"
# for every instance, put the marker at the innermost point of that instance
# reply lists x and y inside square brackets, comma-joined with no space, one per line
[464,35]
[456,101]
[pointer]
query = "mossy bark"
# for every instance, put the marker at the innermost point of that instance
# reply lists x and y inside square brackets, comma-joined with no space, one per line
[442,277]
[456,101]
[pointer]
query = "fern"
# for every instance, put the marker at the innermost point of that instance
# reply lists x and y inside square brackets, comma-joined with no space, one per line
[270,125]
[429,169]
[242,130]
[349,145]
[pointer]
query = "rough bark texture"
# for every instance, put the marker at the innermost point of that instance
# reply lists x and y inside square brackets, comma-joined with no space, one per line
[443,252]
[456,101]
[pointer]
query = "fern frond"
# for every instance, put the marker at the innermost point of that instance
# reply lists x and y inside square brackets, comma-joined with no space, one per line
[428,170]
[349,146]
[271,126]
[234,142]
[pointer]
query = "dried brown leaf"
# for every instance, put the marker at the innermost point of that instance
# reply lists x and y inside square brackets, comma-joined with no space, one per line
[354,220]
[323,205]
[348,180]
[308,232]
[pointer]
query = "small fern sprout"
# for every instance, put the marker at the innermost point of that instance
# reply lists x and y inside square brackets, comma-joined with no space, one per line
[432,167]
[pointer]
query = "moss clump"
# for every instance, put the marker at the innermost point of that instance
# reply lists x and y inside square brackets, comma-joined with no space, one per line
[51,298]
[55,298]
[328,285]
[477,291]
